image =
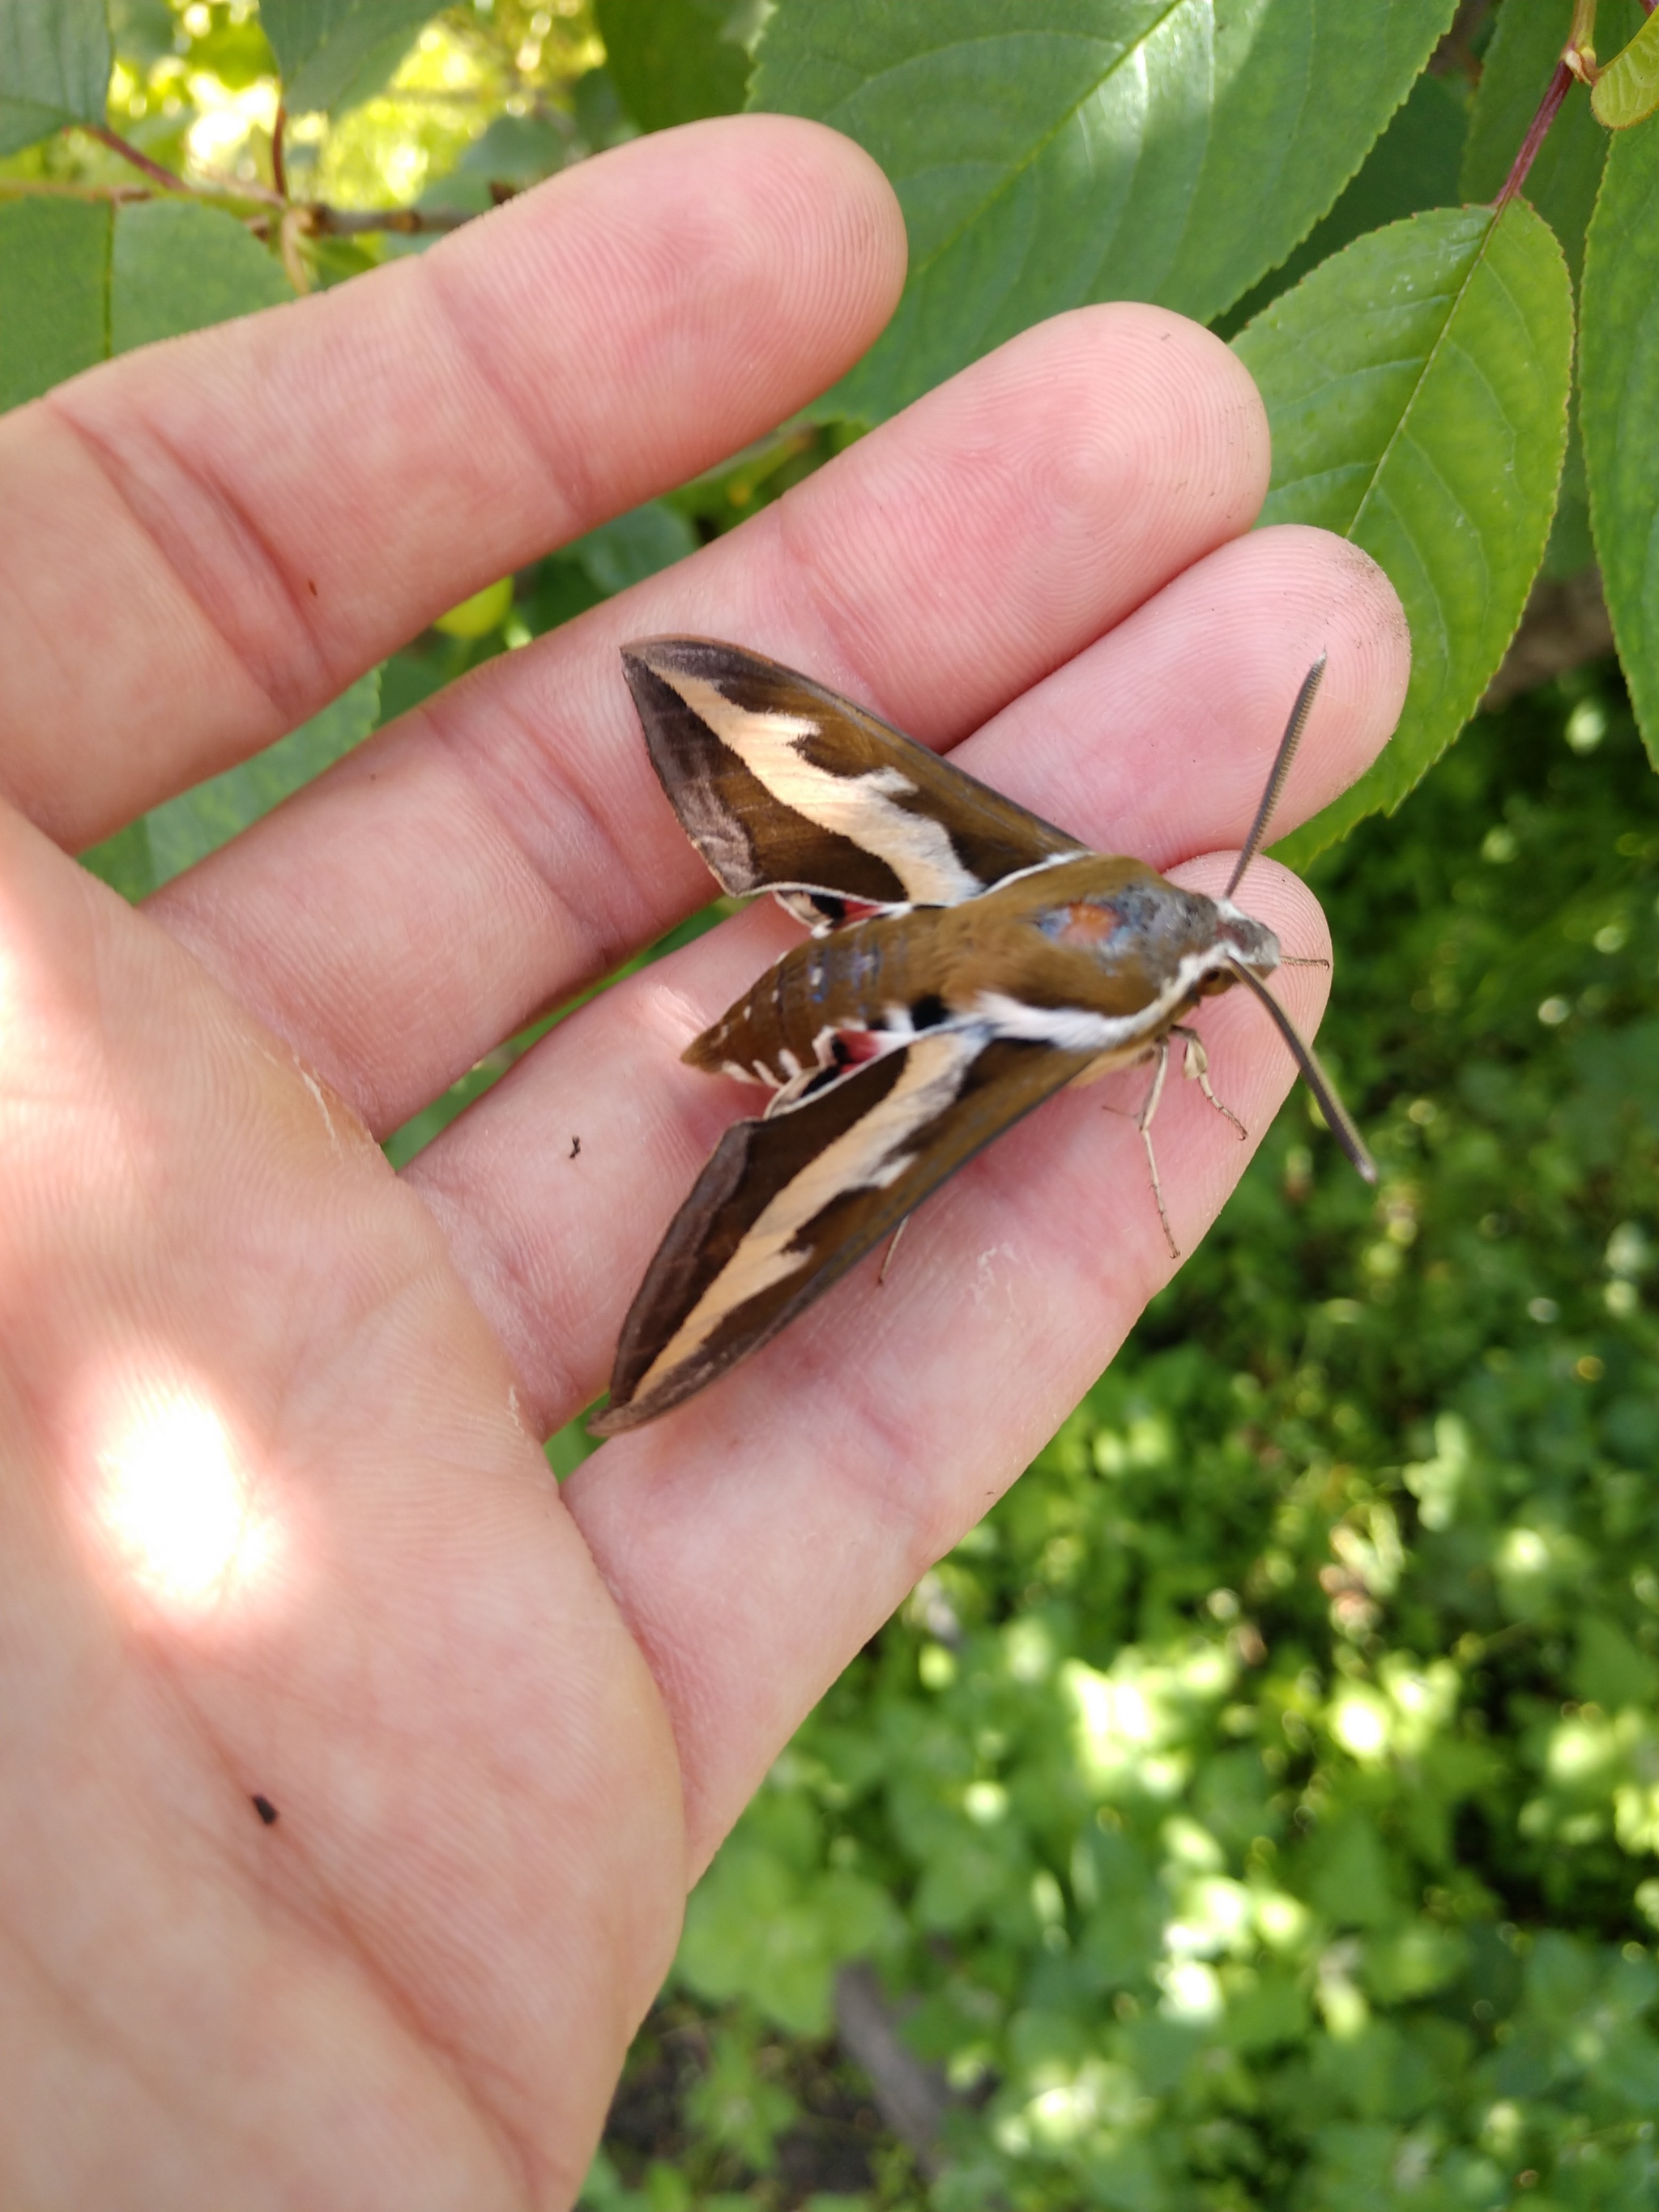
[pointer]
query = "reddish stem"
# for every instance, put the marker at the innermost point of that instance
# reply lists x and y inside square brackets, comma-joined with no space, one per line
[278,159]
[129,152]
[1537,130]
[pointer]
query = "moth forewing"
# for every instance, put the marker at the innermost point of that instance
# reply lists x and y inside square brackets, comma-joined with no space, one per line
[786,1206]
[782,785]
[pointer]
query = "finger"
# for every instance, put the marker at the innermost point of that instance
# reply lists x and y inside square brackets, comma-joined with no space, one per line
[1182,706]
[258,513]
[755,1538]
[510,841]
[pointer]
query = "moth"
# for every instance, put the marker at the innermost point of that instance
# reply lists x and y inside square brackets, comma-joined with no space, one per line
[966,960]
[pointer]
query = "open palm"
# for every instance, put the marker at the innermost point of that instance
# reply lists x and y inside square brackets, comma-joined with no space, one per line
[276,1520]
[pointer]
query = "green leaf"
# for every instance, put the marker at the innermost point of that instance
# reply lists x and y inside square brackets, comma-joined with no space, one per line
[633,547]
[123,861]
[1571,550]
[1414,164]
[758,1927]
[54,293]
[1620,405]
[1417,387]
[516,149]
[186,829]
[69,295]
[54,68]
[1516,70]
[1050,152]
[1627,90]
[672,61]
[1611,1670]
[737,2104]
[1352,1881]
[179,266]
[334,52]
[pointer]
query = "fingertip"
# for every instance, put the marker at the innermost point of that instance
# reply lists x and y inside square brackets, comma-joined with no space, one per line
[789,227]
[1156,389]
[1381,631]
[1220,446]
[863,219]
[1337,595]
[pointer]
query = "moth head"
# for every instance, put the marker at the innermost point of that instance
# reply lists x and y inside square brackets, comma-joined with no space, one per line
[1250,942]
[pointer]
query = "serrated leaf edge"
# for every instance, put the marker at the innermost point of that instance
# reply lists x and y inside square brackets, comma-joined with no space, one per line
[1299,848]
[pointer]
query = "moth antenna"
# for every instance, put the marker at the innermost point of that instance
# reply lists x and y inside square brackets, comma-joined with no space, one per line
[1303,960]
[1336,1113]
[1281,768]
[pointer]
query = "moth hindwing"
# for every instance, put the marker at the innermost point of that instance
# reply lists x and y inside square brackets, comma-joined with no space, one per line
[969,960]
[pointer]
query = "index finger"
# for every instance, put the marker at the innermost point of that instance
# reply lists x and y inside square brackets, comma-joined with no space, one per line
[255,515]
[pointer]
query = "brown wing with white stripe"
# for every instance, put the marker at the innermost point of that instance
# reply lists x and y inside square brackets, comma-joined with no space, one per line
[784,786]
[785,1207]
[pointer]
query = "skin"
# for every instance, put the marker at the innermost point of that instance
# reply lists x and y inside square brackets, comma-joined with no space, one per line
[273,1515]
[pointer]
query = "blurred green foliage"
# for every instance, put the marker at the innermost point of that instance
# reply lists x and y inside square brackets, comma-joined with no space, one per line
[1261,1806]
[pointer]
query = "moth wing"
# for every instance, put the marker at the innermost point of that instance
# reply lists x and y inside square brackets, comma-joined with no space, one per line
[785,1207]
[784,786]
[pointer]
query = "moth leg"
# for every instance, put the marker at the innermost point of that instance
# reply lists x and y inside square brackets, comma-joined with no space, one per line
[1145,1127]
[791,1093]
[893,1247]
[1196,1069]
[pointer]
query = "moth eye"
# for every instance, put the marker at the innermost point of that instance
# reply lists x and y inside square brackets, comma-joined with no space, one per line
[1085,922]
[927,1012]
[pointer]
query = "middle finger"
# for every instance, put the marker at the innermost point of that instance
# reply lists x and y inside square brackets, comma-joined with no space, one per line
[506,843]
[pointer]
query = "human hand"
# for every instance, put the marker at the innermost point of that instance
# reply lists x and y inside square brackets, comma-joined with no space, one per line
[276,1520]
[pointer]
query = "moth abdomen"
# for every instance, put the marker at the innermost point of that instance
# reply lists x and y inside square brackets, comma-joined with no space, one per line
[837,1001]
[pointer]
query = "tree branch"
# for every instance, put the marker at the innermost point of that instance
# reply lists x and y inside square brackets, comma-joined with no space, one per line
[314,217]
[129,152]
[1537,130]
[408,222]
[911,2096]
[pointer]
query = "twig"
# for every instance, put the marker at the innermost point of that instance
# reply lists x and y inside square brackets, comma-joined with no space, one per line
[295,223]
[1579,52]
[911,2096]
[216,184]
[129,152]
[1536,133]
[320,220]
[49,188]
[278,159]
[412,222]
